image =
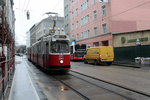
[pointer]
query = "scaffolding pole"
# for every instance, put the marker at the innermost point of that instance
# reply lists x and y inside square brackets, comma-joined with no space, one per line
[6,65]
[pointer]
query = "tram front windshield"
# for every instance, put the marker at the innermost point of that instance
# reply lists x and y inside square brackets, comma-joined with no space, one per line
[60,47]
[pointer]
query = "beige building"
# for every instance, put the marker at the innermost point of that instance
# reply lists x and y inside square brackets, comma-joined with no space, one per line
[131,38]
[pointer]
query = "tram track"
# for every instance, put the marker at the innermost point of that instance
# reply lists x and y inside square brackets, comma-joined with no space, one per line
[113,84]
[128,94]
[80,94]
[100,92]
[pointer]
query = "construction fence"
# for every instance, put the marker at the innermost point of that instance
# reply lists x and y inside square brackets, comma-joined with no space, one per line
[7,46]
[129,54]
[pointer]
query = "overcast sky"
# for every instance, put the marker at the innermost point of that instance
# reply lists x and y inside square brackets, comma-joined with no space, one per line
[37,8]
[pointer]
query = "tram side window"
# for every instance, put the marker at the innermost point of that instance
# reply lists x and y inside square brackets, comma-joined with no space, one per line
[33,50]
[38,48]
[42,48]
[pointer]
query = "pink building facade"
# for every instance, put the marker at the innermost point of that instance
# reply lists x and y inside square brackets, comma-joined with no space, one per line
[92,22]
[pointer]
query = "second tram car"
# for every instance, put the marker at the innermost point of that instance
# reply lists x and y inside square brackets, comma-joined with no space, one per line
[77,51]
[51,52]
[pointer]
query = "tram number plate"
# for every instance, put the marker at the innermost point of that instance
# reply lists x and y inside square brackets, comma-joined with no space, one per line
[61,57]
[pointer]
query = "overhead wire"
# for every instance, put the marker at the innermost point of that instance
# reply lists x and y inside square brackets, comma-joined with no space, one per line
[24,4]
[27,5]
[56,5]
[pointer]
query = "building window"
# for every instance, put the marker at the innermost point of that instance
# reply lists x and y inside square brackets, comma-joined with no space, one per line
[94,1]
[77,24]
[67,26]
[85,5]
[94,14]
[103,0]
[105,43]
[88,34]
[96,44]
[72,36]
[103,10]
[72,14]
[77,37]
[82,35]
[81,21]
[95,31]
[85,34]
[77,12]
[72,26]
[85,20]
[104,27]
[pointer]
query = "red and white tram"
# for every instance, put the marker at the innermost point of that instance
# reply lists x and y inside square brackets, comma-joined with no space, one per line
[51,52]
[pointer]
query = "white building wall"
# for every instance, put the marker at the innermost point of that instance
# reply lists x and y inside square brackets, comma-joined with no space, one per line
[28,39]
[42,28]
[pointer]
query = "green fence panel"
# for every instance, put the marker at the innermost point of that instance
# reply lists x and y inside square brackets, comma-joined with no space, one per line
[128,54]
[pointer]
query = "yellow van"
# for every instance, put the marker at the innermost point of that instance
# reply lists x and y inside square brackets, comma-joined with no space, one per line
[101,54]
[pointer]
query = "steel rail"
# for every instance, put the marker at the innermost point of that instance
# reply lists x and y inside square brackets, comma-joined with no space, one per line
[80,94]
[117,85]
[100,86]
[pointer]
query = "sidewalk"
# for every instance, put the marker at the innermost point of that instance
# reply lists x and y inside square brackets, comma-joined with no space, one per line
[22,87]
[135,79]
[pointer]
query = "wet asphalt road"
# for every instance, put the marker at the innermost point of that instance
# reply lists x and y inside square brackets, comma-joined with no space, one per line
[49,87]
[33,84]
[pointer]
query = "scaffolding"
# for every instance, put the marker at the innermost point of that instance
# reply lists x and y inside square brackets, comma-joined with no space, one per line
[7,53]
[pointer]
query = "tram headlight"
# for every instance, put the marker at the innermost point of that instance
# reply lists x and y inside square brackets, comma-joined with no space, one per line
[61,61]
